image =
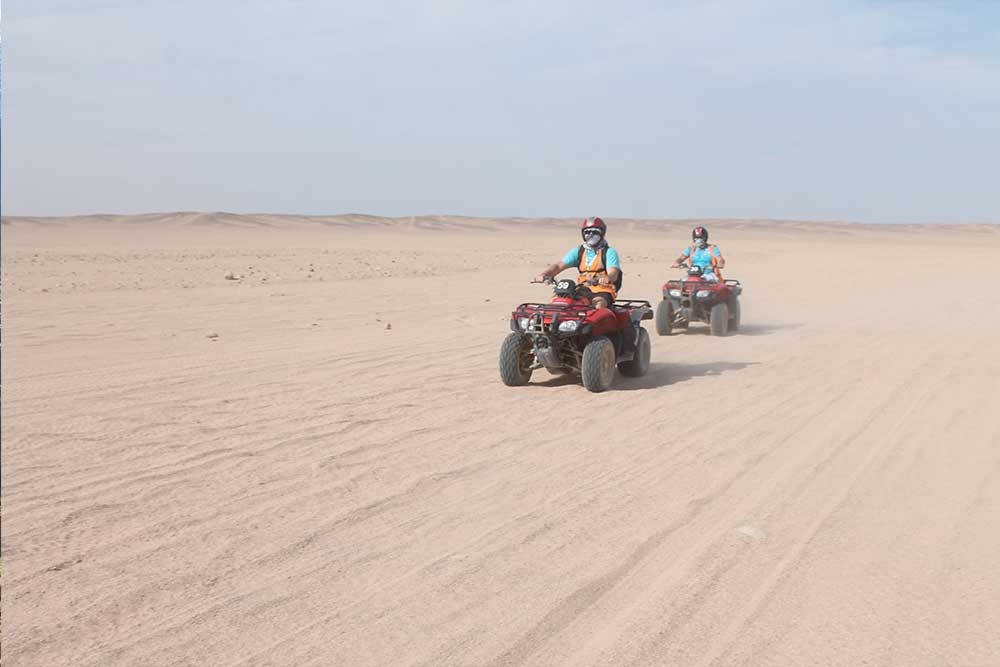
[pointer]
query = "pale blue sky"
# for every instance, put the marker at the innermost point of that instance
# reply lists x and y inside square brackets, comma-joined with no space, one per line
[869,111]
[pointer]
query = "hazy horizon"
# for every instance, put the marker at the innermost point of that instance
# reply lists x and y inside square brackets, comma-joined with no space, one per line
[821,111]
[289,215]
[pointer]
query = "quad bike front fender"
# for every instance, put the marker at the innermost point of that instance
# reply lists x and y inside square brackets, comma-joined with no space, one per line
[602,322]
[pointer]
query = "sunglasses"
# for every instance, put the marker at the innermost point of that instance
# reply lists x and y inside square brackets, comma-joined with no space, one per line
[593,232]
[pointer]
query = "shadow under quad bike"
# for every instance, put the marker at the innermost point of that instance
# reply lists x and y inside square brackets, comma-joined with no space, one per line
[568,335]
[694,299]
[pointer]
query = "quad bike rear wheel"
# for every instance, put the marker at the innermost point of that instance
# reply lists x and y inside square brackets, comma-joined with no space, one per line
[515,360]
[664,317]
[598,364]
[734,314]
[639,364]
[718,319]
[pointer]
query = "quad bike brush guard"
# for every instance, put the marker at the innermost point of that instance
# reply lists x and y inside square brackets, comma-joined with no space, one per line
[694,299]
[570,336]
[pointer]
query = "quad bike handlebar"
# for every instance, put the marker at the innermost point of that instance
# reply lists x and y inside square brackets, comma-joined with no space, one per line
[549,280]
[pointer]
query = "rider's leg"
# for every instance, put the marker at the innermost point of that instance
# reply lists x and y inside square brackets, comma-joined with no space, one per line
[601,300]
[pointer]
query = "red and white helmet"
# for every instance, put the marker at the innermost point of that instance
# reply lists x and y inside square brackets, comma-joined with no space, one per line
[590,225]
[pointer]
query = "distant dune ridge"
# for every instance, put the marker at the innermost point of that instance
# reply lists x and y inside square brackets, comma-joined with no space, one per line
[462,222]
[276,439]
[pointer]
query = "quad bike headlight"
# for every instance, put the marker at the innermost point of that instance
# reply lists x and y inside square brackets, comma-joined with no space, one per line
[523,323]
[701,294]
[675,292]
[568,326]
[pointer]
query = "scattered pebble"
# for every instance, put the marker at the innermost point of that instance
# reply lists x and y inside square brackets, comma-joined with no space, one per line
[388,326]
[212,335]
[230,276]
[751,531]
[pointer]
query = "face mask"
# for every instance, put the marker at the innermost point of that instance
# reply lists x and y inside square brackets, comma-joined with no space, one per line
[701,243]
[593,240]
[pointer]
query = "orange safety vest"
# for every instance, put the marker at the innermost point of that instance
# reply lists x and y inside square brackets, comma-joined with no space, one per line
[596,268]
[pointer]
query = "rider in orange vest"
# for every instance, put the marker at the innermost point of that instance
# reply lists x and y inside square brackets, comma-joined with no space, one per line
[596,261]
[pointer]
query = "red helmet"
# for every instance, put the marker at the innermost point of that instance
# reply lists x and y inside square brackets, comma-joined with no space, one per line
[699,233]
[593,223]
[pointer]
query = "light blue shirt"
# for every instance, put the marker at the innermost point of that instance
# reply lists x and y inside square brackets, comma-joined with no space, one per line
[703,257]
[572,258]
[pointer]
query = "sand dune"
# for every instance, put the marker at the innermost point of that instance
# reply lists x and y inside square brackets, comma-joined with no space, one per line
[313,461]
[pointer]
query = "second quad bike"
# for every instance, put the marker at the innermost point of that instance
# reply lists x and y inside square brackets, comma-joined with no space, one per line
[694,299]
[568,335]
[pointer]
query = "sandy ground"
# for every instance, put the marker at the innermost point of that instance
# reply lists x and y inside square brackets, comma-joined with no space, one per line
[261,471]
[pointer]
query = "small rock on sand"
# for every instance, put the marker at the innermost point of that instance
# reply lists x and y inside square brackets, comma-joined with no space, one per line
[751,531]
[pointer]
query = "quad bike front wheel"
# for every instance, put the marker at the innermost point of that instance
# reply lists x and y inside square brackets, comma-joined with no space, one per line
[515,360]
[718,319]
[664,317]
[598,364]
[639,364]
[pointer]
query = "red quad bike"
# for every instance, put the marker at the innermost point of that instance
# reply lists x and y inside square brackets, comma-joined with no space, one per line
[569,335]
[694,299]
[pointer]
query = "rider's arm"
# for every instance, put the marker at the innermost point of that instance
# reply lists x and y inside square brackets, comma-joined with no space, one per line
[571,258]
[720,261]
[552,270]
[613,268]
[555,269]
[679,262]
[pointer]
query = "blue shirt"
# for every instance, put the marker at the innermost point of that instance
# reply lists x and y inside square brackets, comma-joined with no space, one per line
[703,257]
[572,258]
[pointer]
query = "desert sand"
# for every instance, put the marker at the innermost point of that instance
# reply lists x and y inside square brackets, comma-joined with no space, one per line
[277,440]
